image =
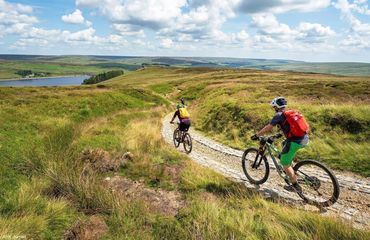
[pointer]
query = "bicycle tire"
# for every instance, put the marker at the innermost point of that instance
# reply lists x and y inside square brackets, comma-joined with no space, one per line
[246,166]
[336,189]
[188,144]
[176,137]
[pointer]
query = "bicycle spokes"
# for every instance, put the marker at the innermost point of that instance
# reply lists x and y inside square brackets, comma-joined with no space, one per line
[318,184]
[255,166]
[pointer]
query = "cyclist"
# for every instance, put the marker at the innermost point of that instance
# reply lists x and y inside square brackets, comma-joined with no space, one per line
[292,143]
[183,115]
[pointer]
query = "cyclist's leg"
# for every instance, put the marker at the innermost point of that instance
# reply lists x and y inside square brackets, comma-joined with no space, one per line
[182,128]
[187,125]
[287,155]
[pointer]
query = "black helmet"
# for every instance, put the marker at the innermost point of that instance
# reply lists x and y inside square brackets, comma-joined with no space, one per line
[182,101]
[279,102]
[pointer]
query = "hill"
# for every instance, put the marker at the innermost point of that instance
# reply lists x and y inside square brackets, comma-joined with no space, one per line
[92,65]
[66,169]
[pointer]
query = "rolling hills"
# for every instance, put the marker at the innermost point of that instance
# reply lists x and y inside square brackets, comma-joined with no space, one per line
[92,65]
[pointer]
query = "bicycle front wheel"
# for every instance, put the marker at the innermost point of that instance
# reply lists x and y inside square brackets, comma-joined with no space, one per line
[176,137]
[255,166]
[319,185]
[188,144]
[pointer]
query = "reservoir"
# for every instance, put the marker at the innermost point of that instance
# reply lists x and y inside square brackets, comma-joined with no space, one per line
[40,82]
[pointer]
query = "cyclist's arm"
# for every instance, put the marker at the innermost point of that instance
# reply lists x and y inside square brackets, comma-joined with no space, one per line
[268,128]
[177,113]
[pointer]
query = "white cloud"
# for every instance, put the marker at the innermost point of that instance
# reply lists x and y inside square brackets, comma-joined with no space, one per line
[359,34]
[25,42]
[128,30]
[85,38]
[166,43]
[314,32]
[281,6]
[202,23]
[76,18]
[267,24]
[148,13]
[355,42]
[273,35]
[15,18]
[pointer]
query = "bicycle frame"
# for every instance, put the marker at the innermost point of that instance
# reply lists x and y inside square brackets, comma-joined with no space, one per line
[272,149]
[182,133]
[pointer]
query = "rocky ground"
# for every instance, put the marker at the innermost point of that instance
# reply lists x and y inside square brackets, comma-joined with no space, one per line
[353,204]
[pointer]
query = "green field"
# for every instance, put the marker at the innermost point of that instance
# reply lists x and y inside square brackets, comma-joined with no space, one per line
[92,65]
[61,66]
[45,187]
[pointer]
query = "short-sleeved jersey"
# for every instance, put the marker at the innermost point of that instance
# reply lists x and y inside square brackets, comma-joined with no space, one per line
[280,119]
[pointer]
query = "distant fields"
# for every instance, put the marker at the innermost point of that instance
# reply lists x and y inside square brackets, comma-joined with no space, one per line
[92,65]
[346,69]
[59,66]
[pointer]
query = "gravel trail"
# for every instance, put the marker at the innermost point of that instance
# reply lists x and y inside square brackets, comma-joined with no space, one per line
[353,204]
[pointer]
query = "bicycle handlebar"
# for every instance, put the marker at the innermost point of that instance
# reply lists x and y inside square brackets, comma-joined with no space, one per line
[270,139]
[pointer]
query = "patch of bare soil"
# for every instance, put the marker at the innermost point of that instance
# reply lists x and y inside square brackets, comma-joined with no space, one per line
[159,201]
[91,229]
[101,161]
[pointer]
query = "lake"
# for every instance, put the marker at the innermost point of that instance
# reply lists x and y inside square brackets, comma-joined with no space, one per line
[39,82]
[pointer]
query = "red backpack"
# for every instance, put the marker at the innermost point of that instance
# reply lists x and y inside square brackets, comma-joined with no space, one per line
[298,125]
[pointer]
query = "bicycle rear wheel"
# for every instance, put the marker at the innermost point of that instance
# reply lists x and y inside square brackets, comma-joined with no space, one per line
[188,144]
[176,137]
[255,166]
[319,185]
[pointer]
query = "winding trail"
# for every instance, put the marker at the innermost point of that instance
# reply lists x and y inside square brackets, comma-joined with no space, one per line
[353,204]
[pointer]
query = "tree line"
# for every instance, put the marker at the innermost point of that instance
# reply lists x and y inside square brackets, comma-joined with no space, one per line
[103,77]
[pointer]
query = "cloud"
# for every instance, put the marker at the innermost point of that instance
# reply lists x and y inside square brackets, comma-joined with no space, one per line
[359,32]
[281,6]
[355,42]
[273,35]
[23,43]
[15,18]
[202,23]
[313,32]
[85,38]
[152,14]
[129,30]
[76,18]
[267,24]
[166,43]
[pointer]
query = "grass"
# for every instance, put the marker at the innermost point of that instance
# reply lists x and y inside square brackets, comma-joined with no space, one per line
[44,192]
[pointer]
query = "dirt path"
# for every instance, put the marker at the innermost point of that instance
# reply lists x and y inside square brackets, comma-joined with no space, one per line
[353,204]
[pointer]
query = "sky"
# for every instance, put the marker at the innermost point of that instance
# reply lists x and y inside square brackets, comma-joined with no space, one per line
[308,30]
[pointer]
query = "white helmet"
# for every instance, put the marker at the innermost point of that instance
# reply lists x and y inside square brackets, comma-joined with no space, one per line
[279,102]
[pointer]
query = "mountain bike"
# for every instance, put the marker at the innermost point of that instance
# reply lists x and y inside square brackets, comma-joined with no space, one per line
[319,185]
[182,137]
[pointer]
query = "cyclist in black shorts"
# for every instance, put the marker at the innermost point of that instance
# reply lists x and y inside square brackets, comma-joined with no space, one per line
[183,116]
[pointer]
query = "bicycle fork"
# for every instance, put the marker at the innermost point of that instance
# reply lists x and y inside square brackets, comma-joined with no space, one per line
[257,162]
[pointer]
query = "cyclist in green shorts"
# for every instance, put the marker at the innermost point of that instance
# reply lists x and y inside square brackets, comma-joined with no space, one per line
[292,143]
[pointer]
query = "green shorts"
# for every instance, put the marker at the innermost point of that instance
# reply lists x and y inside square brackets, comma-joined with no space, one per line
[289,150]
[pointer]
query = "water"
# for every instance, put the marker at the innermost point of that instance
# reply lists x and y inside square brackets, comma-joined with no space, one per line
[39,82]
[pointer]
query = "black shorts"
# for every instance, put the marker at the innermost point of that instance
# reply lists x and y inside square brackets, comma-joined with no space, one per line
[184,125]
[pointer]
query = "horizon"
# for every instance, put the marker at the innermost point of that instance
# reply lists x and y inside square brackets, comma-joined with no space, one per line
[187,57]
[309,30]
